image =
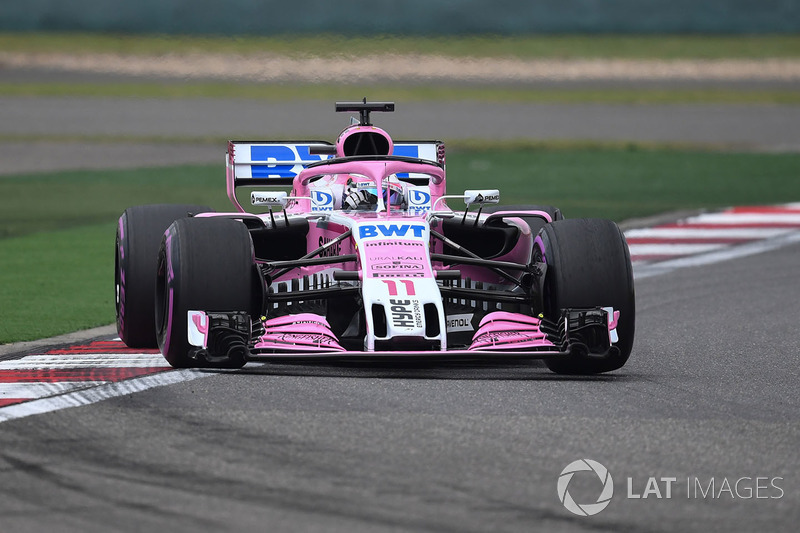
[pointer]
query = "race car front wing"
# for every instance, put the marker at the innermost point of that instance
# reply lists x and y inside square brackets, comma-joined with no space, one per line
[217,337]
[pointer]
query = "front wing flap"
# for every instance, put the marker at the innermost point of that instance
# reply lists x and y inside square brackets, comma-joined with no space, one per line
[578,332]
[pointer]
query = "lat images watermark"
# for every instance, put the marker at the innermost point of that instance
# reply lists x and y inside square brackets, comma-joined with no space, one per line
[585,473]
[595,468]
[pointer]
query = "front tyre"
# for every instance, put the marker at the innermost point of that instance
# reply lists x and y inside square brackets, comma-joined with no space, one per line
[588,265]
[139,233]
[204,264]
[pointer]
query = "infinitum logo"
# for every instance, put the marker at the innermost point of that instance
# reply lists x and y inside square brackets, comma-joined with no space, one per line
[595,469]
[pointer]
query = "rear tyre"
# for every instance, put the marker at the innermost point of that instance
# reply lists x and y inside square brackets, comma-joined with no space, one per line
[204,264]
[588,265]
[139,233]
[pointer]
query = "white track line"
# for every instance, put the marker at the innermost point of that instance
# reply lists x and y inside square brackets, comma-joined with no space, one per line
[41,389]
[95,360]
[689,232]
[745,218]
[96,394]
[725,254]
[672,249]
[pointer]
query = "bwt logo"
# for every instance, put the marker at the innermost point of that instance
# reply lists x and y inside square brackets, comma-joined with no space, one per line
[417,197]
[596,469]
[281,160]
[321,201]
[419,201]
[389,230]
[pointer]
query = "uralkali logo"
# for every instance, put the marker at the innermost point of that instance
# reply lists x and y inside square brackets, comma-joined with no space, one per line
[590,467]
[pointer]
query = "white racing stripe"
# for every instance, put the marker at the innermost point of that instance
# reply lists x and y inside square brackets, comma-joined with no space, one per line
[94,360]
[41,390]
[745,218]
[689,232]
[725,254]
[672,249]
[96,394]
[717,240]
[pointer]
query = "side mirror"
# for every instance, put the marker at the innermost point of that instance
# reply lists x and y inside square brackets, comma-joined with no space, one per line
[482,197]
[269,198]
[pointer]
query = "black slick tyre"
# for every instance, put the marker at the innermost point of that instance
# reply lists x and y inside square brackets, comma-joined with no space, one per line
[588,265]
[204,264]
[139,233]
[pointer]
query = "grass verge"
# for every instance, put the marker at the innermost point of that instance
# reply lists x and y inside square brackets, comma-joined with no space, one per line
[57,230]
[56,282]
[51,202]
[526,47]
[403,93]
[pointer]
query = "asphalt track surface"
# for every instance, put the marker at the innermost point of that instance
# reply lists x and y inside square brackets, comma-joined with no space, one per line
[710,391]
[730,123]
[751,127]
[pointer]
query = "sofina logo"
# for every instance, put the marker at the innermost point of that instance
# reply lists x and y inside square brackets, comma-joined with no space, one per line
[593,468]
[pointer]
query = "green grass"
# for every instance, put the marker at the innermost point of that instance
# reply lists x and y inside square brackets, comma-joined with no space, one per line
[552,46]
[663,47]
[624,184]
[48,202]
[402,93]
[56,282]
[57,230]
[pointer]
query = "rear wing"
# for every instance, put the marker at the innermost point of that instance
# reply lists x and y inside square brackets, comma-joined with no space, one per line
[276,163]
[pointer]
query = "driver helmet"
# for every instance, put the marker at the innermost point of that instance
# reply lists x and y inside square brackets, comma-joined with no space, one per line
[394,192]
[362,194]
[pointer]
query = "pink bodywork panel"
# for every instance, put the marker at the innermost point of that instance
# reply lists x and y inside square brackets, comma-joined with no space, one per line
[360,130]
[230,177]
[374,170]
[303,332]
[396,259]
[396,262]
[613,321]
[509,331]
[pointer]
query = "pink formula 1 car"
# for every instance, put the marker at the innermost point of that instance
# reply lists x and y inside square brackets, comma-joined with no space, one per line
[352,250]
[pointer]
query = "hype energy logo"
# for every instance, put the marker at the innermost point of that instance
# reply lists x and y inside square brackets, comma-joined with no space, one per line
[583,468]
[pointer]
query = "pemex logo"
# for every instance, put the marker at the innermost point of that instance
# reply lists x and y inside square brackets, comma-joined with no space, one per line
[585,509]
